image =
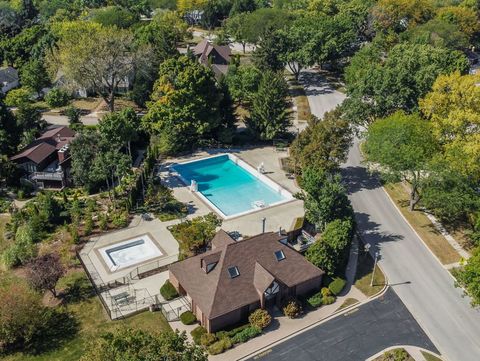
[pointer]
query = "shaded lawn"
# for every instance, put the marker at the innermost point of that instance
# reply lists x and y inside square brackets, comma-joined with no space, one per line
[424,227]
[348,302]
[430,357]
[92,319]
[363,275]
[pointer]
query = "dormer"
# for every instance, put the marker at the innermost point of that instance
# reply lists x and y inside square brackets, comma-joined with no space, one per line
[209,262]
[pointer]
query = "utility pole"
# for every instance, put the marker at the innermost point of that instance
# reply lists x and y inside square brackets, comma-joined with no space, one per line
[374,267]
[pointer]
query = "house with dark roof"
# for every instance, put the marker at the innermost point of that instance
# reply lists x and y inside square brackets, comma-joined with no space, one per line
[227,283]
[8,79]
[213,55]
[46,161]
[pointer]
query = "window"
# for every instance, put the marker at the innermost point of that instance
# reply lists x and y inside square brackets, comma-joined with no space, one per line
[279,255]
[233,272]
[211,266]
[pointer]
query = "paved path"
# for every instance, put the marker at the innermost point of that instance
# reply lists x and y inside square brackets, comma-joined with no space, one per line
[354,336]
[322,97]
[424,286]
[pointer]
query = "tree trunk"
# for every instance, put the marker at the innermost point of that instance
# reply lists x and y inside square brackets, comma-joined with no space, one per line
[414,197]
[243,44]
[111,101]
[54,292]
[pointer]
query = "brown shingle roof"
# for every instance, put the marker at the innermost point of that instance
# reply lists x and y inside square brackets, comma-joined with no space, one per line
[216,293]
[205,48]
[54,138]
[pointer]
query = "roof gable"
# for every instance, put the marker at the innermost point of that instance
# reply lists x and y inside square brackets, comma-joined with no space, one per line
[217,293]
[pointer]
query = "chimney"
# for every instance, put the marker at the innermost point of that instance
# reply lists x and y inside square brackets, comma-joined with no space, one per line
[63,153]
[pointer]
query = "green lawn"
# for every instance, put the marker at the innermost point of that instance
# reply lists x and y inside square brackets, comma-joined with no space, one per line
[398,354]
[93,321]
[424,227]
[364,275]
[430,357]
[348,302]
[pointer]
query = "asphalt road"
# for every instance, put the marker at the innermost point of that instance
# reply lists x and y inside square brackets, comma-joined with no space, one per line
[356,335]
[424,286]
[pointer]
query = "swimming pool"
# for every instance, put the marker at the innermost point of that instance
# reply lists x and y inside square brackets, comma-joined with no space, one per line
[130,252]
[230,186]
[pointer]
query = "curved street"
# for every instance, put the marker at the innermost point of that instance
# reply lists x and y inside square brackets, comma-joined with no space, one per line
[424,286]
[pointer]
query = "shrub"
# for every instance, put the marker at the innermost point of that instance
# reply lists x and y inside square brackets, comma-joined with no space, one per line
[57,98]
[120,220]
[337,286]
[197,334]
[22,250]
[260,318]
[328,300]
[246,334]
[17,97]
[220,346]
[292,309]
[168,291]
[315,300]
[325,292]
[187,318]
[231,333]
[207,339]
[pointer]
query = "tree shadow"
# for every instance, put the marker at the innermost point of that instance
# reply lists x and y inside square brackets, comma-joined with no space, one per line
[57,327]
[356,178]
[368,232]
[80,289]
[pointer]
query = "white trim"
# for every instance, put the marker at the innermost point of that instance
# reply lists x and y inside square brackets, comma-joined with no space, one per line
[248,168]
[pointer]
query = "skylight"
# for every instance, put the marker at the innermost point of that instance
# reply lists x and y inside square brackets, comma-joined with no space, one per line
[279,255]
[233,272]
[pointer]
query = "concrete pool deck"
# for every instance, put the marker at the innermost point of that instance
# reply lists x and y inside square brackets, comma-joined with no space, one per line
[282,215]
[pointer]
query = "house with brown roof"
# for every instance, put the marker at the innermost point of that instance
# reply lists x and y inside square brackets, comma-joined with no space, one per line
[227,283]
[216,56]
[46,161]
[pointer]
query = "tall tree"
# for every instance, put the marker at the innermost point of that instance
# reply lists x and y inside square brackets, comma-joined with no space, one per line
[379,87]
[323,144]
[403,146]
[9,131]
[270,114]
[185,105]
[325,198]
[454,112]
[34,75]
[96,57]
[120,128]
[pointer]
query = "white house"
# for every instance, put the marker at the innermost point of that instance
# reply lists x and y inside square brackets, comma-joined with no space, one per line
[8,79]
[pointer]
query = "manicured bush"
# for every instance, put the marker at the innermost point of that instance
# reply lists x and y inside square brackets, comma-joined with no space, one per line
[325,292]
[57,98]
[207,339]
[18,97]
[168,292]
[315,300]
[220,346]
[328,300]
[260,318]
[231,333]
[292,309]
[197,334]
[337,286]
[188,318]
[246,334]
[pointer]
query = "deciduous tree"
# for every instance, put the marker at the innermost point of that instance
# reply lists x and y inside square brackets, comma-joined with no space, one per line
[45,271]
[403,146]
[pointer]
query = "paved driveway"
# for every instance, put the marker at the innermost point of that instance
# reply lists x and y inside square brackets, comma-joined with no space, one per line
[424,286]
[322,97]
[356,335]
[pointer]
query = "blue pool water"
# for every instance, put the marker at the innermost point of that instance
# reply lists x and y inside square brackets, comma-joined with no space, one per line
[228,186]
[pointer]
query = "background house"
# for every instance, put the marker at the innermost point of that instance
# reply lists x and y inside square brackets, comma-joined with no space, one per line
[226,284]
[8,79]
[46,161]
[216,56]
